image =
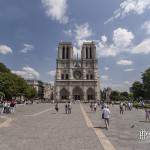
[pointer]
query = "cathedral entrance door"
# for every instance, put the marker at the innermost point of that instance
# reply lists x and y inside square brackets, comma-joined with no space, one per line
[77,97]
[77,93]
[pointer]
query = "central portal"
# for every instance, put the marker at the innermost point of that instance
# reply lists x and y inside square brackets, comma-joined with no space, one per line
[77,93]
[77,97]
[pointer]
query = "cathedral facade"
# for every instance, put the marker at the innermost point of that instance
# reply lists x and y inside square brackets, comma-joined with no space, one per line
[77,79]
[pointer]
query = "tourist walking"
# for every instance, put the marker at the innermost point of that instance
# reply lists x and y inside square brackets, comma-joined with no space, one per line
[69,108]
[125,106]
[147,114]
[121,108]
[2,108]
[91,106]
[12,107]
[66,108]
[95,107]
[106,116]
[56,107]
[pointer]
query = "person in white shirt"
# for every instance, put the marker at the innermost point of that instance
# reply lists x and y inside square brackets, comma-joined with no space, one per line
[106,116]
[95,107]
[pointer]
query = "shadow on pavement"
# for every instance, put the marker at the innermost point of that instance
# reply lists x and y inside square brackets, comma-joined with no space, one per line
[100,127]
[144,121]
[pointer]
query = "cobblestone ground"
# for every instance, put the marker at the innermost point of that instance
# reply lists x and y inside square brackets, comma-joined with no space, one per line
[124,129]
[48,131]
[2,120]
[39,127]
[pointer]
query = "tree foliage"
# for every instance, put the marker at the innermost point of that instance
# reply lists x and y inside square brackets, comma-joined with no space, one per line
[146,83]
[3,68]
[142,89]
[137,89]
[2,95]
[14,86]
[30,92]
[115,96]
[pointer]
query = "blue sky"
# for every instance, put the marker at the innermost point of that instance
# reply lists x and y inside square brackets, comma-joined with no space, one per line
[31,30]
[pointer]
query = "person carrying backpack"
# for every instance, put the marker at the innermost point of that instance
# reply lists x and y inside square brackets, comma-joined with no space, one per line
[106,116]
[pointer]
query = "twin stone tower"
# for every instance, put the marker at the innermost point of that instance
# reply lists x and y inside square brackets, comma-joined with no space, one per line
[77,79]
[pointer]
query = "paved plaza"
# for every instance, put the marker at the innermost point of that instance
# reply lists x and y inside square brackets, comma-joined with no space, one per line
[39,127]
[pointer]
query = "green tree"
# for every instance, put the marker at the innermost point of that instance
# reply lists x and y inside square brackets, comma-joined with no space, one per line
[14,86]
[3,68]
[30,92]
[124,96]
[7,85]
[146,83]
[137,90]
[2,95]
[115,96]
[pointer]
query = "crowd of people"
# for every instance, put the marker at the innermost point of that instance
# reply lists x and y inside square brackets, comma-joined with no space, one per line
[7,107]
[123,106]
[105,111]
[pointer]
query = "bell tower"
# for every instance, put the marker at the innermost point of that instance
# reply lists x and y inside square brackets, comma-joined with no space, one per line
[88,50]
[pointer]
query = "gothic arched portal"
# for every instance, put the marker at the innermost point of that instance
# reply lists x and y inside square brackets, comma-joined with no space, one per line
[64,94]
[90,94]
[77,93]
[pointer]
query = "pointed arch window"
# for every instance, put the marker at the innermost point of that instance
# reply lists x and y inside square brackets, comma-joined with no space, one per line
[90,52]
[63,52]
[67,53]
[86,52]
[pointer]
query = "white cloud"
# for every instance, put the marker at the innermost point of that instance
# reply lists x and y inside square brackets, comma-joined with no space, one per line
[124,62]
[27,48]
[106,68]
[82,32]
[56,9]
[121,42]
[104,77]
[27,73]
[52,73]
[103,38]
[129,70]
[104,50]
[130,6]
[127,83]
[4,49]
[146,26]
[122,37]
[143,47]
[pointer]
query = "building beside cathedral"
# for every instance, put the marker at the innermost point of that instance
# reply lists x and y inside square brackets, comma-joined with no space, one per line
[77,79]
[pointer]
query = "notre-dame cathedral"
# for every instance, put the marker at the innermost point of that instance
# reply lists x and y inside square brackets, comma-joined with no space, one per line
[77,79]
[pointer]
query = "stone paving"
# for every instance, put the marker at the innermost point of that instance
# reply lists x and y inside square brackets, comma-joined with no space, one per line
[2,120]
[124,129]
[48,130]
